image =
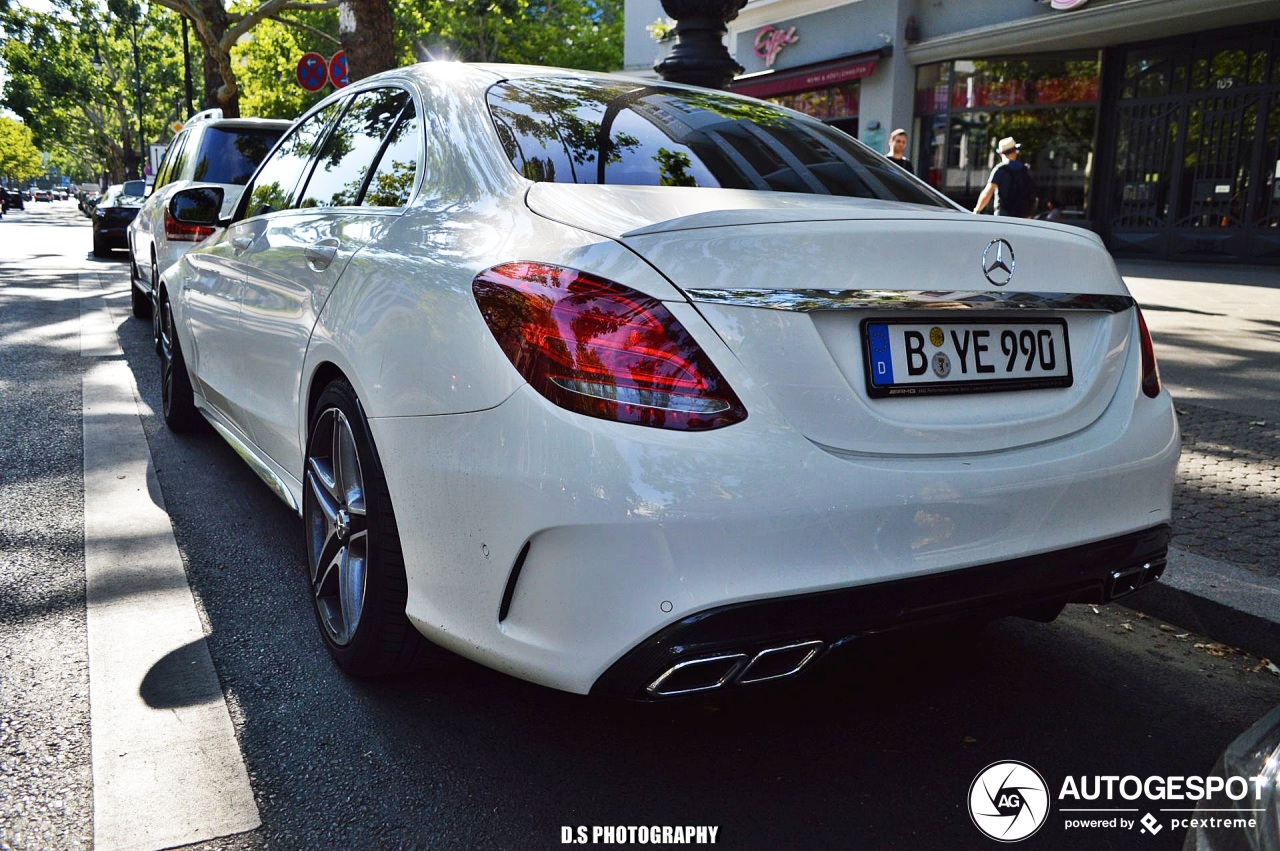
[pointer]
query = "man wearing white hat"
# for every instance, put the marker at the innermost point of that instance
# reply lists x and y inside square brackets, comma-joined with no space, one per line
[1011,183]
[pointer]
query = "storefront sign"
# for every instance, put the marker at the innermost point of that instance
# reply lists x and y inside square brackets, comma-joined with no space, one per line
[1066,5]
[854,68]
[770,40]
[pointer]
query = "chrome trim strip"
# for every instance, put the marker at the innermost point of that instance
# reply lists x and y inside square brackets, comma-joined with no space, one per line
[257,464]
[805,301]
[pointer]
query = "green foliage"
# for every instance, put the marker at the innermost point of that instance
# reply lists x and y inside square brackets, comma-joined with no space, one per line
[584,34]
[19,157]
[86,118]
[266,64]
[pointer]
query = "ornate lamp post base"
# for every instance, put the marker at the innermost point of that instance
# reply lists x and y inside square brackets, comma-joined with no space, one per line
[699,57]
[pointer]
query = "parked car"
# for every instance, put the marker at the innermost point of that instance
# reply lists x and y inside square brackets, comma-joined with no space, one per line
[1247,818]
[43,195]
[111,217]
[209,149]
[15,199]
[640,389]
[88,199]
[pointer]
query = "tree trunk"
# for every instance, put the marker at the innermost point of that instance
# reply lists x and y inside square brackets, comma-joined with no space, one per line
[220,89]
[366,28]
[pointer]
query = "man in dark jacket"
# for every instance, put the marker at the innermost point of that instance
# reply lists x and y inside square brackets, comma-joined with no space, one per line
[1011,184]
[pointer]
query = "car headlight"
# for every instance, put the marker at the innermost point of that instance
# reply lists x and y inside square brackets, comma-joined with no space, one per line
[1255,753]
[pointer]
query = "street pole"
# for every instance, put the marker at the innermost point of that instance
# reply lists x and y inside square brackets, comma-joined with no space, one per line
[137,67]
[186,70]
[699,56]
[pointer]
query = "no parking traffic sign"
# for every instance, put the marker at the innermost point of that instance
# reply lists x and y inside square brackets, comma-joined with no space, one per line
[338,69]
[313,72]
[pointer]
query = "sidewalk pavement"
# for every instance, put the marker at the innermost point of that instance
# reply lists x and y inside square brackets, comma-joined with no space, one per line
[1223,577]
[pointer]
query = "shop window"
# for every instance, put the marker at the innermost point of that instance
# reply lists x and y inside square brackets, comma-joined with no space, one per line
[1258,67]
[1049,104]
[838,102]
[1200,74]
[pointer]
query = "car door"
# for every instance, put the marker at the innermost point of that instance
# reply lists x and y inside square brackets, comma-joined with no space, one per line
[294,264]
[151,217]
[213,291]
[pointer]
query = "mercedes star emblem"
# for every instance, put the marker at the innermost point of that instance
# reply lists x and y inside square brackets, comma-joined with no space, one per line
[998,265]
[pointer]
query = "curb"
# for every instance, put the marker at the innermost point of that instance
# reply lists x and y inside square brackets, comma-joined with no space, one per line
[1233,605]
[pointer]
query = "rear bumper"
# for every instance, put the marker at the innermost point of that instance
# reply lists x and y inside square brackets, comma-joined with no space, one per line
[550,546]
[721,643]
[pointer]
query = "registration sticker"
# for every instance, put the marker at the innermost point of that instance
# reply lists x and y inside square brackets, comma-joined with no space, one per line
[913,358]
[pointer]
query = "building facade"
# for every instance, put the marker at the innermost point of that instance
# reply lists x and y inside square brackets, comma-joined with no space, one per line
[1154,122]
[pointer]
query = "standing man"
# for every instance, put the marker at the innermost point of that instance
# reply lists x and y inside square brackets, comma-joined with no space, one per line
[898,150]
[1011,184]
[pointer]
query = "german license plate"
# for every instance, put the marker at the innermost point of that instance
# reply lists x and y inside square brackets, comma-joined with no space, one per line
[913,358]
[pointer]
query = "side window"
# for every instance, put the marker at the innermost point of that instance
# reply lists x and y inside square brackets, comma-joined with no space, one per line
[275,183]
[164,175]
[231,155]
[392,181]
[179,166]
[351,149]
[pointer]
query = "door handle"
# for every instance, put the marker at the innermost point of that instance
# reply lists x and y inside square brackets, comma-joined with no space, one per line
[320,254]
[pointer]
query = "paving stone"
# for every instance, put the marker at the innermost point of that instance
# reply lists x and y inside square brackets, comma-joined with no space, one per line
[1226,502]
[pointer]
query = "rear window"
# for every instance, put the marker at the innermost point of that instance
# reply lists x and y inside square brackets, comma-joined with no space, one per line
[566,130]
[230,156]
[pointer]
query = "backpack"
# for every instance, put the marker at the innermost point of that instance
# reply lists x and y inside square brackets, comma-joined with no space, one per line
[1021,197]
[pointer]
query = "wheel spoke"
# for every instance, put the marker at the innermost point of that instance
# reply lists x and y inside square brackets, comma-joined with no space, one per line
[348,463]
[322,471]
[330,572]
[351,587]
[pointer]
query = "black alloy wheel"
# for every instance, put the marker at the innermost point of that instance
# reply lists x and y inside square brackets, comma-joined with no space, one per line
[355,563]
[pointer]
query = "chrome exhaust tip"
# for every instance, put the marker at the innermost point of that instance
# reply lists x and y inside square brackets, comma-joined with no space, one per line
[775,663]
[1124,582]
[1151,571]
[697,675]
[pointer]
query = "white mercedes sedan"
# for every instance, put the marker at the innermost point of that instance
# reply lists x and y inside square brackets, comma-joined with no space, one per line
[646,390]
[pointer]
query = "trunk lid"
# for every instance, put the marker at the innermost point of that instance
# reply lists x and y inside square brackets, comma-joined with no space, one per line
[790,281]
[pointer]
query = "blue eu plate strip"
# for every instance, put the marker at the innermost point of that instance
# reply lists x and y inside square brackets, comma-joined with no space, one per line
[881,357]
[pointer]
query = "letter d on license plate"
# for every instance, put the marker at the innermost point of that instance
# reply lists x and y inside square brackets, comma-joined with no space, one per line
[913,358]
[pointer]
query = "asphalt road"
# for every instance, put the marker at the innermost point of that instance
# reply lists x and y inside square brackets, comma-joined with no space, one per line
[877,752]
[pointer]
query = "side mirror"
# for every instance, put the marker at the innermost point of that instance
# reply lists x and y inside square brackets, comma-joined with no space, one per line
[198,206]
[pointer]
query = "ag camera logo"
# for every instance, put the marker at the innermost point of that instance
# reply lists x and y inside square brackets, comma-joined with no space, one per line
[1008,801]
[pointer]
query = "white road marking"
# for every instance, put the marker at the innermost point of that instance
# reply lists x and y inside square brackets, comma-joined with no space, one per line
[167,769]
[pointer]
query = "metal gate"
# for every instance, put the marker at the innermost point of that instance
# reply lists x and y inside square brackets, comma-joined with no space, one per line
[1197,149]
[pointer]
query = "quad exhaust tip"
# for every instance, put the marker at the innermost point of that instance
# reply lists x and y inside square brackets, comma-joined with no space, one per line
[712,672]
[1122,582]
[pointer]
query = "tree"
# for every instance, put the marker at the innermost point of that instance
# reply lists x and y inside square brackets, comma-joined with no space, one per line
[85,114]
[367,30]
[19,158]
[583,34]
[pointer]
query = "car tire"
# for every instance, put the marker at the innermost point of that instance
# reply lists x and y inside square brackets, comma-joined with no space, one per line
[139,301]
[355,565]
[180,413]
[100,248]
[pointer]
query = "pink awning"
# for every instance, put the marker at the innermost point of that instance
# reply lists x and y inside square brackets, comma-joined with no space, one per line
[807,79]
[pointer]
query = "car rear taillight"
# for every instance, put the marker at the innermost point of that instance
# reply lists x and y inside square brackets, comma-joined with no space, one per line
[176,231]
[602,349]
[1150,370]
